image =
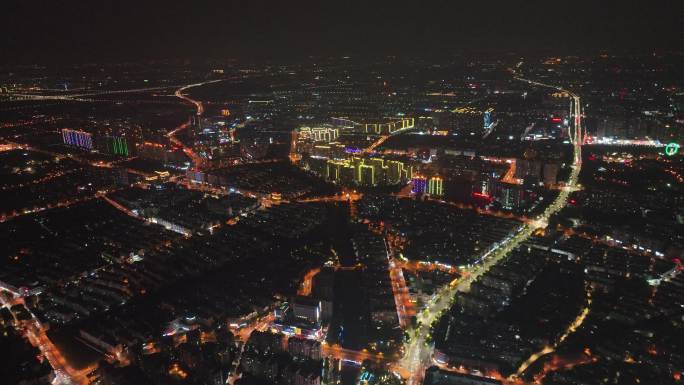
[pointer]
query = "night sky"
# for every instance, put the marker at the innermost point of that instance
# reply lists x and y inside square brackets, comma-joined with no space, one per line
[64,31]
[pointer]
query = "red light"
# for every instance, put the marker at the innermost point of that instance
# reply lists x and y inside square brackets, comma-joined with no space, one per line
[556,120]
[482,196]
[623,93]
[572,201]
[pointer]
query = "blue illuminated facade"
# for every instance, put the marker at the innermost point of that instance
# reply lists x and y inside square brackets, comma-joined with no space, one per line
[80,139]
[419,184]
[487,119]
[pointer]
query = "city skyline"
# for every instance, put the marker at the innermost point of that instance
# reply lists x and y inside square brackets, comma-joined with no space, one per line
[329,193]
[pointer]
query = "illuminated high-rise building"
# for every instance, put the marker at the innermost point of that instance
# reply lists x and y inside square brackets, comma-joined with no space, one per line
[378,165]
[319,134]
[333,170]
[435,186]
[120,146]
[550,174]
[367,175]
[525,168]
[348,174]
[77,138]
[487,118]
[510,196]
[406,172]
[419,183]
[484,184]
[360,171]
[389,127]
[322,151]
[394,171]
[356,163]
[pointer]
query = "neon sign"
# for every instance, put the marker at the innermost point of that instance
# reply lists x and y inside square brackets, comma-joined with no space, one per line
[671,149]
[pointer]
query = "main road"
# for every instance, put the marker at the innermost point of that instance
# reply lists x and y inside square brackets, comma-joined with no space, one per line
[196,159]
[35,333]
[418,349]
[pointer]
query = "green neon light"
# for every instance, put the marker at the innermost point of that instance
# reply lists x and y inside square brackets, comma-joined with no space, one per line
[119,146]
[671,149]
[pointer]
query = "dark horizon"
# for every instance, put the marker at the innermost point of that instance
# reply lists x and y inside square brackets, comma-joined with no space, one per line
[116,31]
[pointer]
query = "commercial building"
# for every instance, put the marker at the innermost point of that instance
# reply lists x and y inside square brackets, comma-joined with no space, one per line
[527,168]
[307,309]
[511,196]
[550,174]
[487,117]
[304,348]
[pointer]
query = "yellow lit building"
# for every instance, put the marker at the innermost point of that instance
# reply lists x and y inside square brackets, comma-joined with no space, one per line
[366,172]
[436,186]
